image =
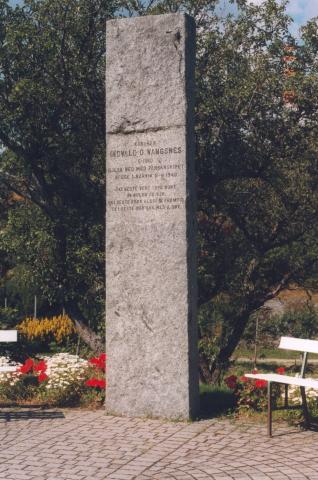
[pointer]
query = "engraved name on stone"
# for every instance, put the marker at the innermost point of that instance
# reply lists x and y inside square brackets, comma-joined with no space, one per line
[146,175]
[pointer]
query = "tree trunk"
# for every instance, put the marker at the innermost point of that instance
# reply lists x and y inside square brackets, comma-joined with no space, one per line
[204,370]
[212,373]
[87,334]
[227,350]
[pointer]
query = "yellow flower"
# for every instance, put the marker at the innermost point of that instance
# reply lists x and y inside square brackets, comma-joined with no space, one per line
[59,327]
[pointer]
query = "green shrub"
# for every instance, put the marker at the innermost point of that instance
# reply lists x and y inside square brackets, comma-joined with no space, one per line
[302,323]
[300,320]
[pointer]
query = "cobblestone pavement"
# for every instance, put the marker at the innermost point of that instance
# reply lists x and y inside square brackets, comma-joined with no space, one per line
[78,445]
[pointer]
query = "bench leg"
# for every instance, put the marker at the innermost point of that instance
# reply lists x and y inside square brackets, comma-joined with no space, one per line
[305,407]
[269,409]
[286,396]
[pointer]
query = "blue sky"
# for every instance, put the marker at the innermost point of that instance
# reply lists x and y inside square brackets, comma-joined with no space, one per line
[300,10]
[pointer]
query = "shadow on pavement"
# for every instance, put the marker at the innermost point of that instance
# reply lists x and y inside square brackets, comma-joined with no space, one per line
[301,428]
[16,415]
[216,403]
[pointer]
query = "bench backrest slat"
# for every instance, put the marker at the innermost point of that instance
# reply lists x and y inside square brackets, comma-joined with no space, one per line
[8,335]
[299,344]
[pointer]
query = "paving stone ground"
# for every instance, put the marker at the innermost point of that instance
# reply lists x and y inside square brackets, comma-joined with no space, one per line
[81,445]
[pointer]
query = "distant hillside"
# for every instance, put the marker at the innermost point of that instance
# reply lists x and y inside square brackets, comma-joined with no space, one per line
[289,298]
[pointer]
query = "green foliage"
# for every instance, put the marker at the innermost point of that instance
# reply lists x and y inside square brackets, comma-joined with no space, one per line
[257,167]
[301,323]
[215,319]
[29,244]
[257,170]
[299,320]
[8,317]
[251,394]
[24,388]
[295,416]
[66,396]
[28,389]
[52,127]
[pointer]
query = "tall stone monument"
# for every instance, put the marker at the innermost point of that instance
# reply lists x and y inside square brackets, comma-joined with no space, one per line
[151,326]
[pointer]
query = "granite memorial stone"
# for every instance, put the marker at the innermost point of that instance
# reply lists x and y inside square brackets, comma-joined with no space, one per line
[151,331]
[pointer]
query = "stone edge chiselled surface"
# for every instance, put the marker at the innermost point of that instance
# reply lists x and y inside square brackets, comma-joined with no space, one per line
[142,111]
[164,102]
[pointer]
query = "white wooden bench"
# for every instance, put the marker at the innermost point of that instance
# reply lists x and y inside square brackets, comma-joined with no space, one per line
[300,345]
[8,336]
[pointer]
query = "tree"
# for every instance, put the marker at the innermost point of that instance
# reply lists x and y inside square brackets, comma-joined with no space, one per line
[256,156]
[256,164]
[257,173]
[52,130]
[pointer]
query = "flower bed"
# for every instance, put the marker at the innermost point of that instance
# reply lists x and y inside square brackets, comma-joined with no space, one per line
[252,394]
[59,380]
[294,394]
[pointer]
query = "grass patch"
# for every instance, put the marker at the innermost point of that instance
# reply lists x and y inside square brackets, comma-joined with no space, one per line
[215,401]
[240,368]
[264,353]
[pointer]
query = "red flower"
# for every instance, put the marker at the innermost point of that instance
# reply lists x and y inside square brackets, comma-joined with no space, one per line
[99,362]
[260,383]
[281,370]
[40,367]
[27,367]
[42,377]
[101,384]
[255,371]
[92,382]
[231,381]
[244,379]
[95,382]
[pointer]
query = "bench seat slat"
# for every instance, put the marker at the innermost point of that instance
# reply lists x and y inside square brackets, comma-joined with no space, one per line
[285,379]
[8,335]
[299,344]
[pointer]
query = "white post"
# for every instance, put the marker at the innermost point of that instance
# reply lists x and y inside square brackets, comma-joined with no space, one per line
[256,342]
[35,307]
